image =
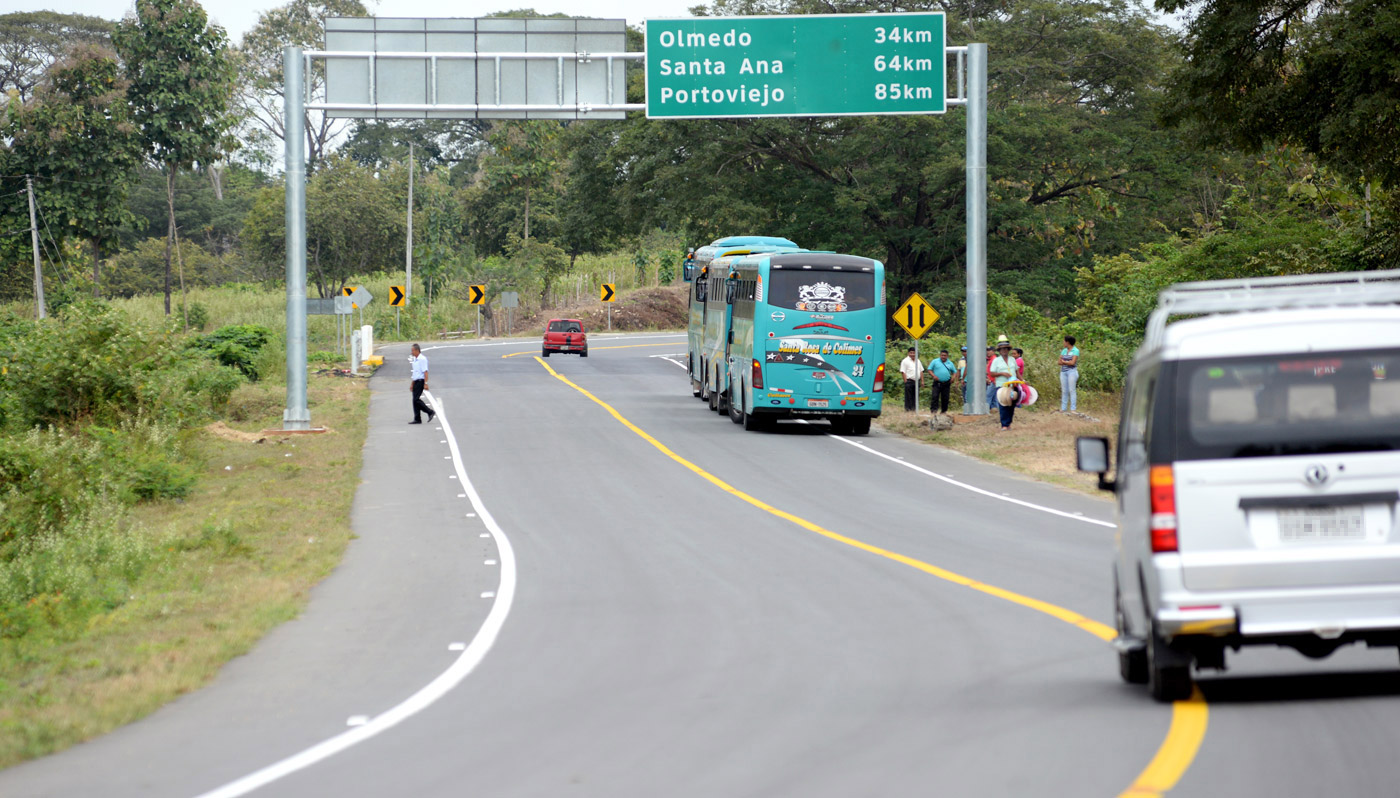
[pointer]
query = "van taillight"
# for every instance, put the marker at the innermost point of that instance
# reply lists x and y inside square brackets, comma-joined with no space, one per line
[879,378]
[1162,492]
[757,375]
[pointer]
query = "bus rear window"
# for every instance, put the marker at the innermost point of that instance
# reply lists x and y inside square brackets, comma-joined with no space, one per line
[819,290]
[1289,404]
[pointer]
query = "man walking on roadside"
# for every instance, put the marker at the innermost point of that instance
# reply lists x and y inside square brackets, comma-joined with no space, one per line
[418,383]
[910,368]
[943,371]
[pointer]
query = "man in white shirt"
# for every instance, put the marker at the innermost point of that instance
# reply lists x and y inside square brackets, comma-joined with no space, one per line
[911,368]
[419,383]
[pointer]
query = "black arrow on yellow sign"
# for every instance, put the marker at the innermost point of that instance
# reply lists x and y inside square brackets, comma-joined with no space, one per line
[477,294]
[396,296]
[607,292]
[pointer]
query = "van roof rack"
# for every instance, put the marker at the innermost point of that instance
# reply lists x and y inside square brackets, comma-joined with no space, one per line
[1271,293]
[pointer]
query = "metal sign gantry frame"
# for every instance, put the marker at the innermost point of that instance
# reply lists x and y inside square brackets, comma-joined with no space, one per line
[971,92]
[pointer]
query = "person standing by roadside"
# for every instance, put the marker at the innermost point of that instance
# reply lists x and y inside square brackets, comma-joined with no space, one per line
[991,381]
[1020,363]
[962,373]
[943,371]
[1069,376]
[910,368]
[1003,370]
[418,383]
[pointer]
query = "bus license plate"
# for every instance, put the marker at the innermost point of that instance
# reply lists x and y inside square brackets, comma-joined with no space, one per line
[818,402]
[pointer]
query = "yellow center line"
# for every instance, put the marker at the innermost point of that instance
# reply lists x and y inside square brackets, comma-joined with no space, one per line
[592,348]
[1188,725]
[1188,729]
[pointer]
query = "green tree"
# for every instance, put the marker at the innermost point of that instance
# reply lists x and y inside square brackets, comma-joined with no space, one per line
[1077,164]
[587,222]
[75,133]
[32,41]
[437,226]
[181,86]
[436,142]
[259,60]
[1320,74]
[355,224]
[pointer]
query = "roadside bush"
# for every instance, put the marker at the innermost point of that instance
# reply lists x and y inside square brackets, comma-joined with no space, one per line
[93,364]
[236,346]
[196,316]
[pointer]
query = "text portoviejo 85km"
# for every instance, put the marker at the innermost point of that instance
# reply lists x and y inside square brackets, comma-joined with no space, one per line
[820,65]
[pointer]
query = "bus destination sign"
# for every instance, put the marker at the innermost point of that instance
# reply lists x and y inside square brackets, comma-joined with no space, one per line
[820,65]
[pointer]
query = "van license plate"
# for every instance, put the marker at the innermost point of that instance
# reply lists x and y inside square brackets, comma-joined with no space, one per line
[1314,524]
[818,402]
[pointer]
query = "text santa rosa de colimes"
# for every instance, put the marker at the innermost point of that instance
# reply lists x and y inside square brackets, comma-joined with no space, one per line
[701,61]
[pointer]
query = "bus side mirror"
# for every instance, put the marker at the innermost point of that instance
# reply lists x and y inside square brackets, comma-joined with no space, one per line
[1091,456]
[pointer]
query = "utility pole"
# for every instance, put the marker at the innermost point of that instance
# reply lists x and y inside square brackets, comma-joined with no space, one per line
[408,250]
[34,239]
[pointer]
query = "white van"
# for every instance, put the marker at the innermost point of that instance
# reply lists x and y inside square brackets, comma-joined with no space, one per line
[1257,476]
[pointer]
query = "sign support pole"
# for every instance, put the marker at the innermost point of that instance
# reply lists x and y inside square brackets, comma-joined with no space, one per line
[977,223]
[296,416]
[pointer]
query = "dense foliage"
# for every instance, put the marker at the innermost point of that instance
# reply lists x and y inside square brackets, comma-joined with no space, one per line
[1123,155]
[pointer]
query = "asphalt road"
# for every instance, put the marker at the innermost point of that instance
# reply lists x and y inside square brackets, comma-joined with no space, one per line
[625,626]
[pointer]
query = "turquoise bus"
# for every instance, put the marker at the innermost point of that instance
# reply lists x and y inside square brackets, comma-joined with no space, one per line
[806,339]
[696,259]
[699,275]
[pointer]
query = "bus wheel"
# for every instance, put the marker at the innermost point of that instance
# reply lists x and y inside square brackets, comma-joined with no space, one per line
[840,426]
[736,408]
[860,426]
[713,396]
[695,389]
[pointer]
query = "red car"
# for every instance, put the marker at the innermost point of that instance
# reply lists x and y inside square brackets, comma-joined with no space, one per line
[565,335]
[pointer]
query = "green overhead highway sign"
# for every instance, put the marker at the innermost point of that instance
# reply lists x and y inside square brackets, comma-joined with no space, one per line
[821,65]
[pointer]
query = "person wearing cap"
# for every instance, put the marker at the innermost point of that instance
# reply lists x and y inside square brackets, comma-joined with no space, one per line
[1003,370]
[910,368]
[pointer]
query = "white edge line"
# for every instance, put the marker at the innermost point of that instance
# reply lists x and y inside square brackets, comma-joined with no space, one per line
[471,657]
[962,485]
[975,489]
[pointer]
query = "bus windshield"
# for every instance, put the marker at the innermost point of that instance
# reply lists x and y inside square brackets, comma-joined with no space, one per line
[821,290]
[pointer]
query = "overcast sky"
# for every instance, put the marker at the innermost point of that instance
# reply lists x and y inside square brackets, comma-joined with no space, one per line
[238,16]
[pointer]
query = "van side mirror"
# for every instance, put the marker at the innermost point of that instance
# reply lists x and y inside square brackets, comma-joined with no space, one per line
[1091,456]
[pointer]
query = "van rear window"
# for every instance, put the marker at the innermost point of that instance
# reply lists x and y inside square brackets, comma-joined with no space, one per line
[1292,404]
